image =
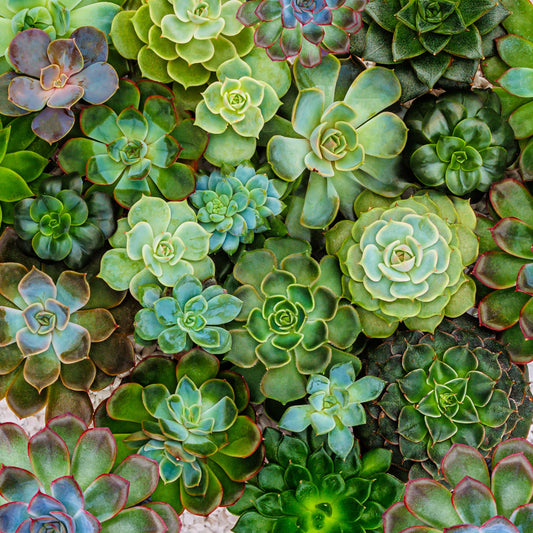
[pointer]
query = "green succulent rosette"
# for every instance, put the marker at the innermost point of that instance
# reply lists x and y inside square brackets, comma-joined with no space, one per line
[459,141]
[194,420]
[430,42]
[334,139]
[157,243]
[305,487]
[404,262]
[293,321]
[455,386]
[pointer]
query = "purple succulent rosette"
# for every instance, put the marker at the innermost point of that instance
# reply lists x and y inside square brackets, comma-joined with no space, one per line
[52,76]
[308,29]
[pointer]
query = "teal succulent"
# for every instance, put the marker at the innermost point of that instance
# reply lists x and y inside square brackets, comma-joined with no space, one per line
[235,206]
[334,406]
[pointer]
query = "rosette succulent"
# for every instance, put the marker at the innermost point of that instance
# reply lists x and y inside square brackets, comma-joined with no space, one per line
[181,40]
[405,262]
[336,140]
[62,225]
[130,148]
[459,140]
[479,501]
[429,42]
[307,29]
[64,479]
[156,244]
[456,386]
[190,316]
[304,487]
[507,266]
[293,322]
[52,76]
[334,406]
[233,207]
[193,420]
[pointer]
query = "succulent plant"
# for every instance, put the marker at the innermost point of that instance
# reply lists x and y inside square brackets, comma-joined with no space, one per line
[507,266]
[478,502]
[429,42]
[304,487]
[334,406]
[459,140]
[405,262]
[63,225]
[455,386]
[295,324]
[181,40]
[52,76]
[337,142]
[234,206]
[64,479]
[302,28]
[193,420]
[130,148]
[156,244]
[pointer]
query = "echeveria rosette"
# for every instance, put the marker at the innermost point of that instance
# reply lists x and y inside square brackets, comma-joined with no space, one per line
[474,498]
[305,487]
[234,206]
[190,316]
[63,225]
[129,148]
[338,145]
[405,263]
[334,406]
[455,386]
[507,267]
[52,76]
[293,321]
[429,42]
[459,141]
[64,479]
[307,29]
[156,244]
[194,420]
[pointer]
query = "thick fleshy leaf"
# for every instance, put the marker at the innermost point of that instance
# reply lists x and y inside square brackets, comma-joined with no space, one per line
[17,484]
[135,520]
[512,483]
[106,496]
[100,91]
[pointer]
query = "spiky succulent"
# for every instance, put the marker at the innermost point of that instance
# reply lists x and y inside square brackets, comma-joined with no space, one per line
[64,479]
[235,205]
[334,406]
[193,420]
[307,29]
[456,386]
[405,262]
[429,42]
[61,224]
[52,76]
[156,244]
[293,322]
[459,140]
[304,487]
[474,500]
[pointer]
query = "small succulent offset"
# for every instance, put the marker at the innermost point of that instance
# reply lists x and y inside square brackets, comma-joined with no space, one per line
[405,262]
[456,386]
[156,244]
[304,487]
[63,479]
[478,502]
[52,76]
[334,406]
[459,140]
[61,224]
[307,29]
[193,421]
[235,205]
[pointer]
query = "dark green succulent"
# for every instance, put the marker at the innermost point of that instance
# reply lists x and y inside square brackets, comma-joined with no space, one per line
[306,488]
